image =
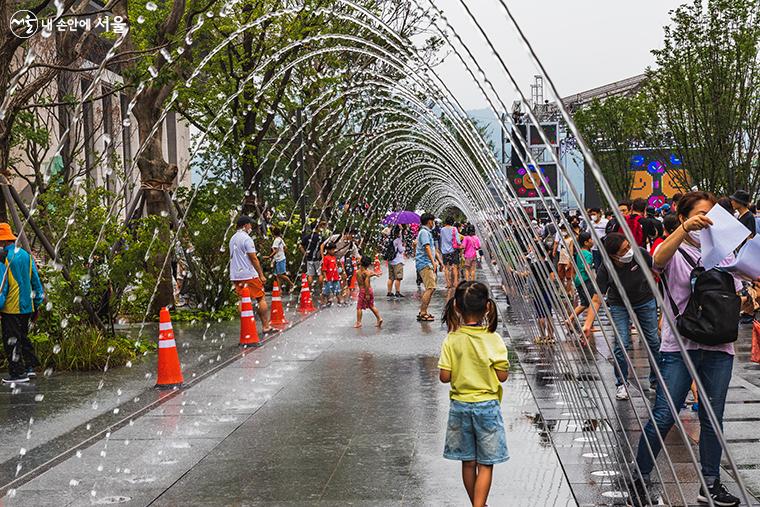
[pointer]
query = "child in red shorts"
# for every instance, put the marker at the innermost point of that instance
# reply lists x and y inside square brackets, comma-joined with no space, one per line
[366,300]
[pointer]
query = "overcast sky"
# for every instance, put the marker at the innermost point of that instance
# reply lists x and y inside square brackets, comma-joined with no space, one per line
[582,43]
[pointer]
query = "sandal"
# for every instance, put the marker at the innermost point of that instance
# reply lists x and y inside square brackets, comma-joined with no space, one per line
[425,317]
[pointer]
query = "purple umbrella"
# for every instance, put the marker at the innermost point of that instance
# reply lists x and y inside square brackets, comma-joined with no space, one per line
[402,217]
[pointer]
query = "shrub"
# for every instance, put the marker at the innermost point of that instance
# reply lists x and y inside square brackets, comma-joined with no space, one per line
[85,348]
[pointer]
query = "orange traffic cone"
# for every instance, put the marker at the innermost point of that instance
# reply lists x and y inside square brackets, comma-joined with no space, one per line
[169,370]
[277,317]
[378,269]
[249,336]
[305,305]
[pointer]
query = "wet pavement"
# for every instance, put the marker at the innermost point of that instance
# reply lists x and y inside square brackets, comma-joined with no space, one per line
[43,422]
[321,415]
[579,414]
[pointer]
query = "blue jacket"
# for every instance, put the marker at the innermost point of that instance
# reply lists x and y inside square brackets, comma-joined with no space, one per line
[21,290]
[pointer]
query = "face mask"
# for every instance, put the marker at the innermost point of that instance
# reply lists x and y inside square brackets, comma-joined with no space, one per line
[593,217]
[695,235]
[628,257]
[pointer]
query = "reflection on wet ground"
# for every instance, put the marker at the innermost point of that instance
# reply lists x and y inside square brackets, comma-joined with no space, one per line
[322,415]
[578,413]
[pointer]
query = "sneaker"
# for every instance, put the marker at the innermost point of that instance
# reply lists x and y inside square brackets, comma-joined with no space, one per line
[399,295]
[31,373]
[389,295]
[719,494]
[15,380]
[622,392]
[638,492]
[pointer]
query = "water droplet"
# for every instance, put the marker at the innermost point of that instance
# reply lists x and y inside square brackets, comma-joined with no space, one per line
[140,20]
[151,6]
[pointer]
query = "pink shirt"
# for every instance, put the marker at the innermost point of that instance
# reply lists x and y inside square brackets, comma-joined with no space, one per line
[471,245]
[678,275]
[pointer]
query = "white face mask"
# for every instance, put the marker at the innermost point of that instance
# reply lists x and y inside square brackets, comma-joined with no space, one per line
[628,257]
[695,236]
[593,217]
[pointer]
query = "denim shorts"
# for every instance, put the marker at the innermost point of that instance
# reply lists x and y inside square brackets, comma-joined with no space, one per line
[475,432]
[331,288]
[280,267]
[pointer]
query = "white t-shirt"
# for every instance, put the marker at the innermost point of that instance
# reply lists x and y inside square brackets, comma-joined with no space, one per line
[241,244]
[399,258]
[279,246]
[601,230]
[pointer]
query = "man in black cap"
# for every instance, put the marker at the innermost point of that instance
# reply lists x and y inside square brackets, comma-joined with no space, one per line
[740,203]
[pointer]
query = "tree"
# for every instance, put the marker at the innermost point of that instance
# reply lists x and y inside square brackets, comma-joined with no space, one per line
[20,80]
[614,127]
[707,87]
[157,30]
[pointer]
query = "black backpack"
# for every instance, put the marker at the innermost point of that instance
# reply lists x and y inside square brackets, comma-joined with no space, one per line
[612,226]
[389,252]
[711,316]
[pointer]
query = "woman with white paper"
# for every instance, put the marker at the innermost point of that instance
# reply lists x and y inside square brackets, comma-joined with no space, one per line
[675,259]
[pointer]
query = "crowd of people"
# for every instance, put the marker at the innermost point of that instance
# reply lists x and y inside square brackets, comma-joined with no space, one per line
[563,256]
[332,261]
[708,319]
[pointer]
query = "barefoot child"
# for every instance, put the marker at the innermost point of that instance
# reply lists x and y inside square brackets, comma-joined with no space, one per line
[366,300]
[474,360]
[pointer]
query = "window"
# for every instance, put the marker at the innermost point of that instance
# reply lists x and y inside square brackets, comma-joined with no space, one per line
[126,145]
[171,136]
[89,139]
[109,178]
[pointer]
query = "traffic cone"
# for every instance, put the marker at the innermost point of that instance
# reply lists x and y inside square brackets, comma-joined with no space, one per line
[277,317]
[249,336]
[169,370]
[305,305]
[378,269]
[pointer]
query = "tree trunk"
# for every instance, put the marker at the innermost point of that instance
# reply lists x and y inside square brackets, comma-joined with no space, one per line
[5,148]
[157,176]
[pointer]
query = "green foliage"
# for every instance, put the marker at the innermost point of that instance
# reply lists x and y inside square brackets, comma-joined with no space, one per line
[230,312]
[209,224]
[707,87]
[84,348]
[614,127]
[106,261]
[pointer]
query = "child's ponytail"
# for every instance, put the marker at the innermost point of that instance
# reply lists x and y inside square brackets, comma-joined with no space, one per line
[451,316]
[492,316]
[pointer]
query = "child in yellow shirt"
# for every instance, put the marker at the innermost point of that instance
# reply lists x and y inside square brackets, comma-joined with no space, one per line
[474,360]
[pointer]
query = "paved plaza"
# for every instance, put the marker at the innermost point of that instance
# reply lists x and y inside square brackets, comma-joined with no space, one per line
[321,415]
